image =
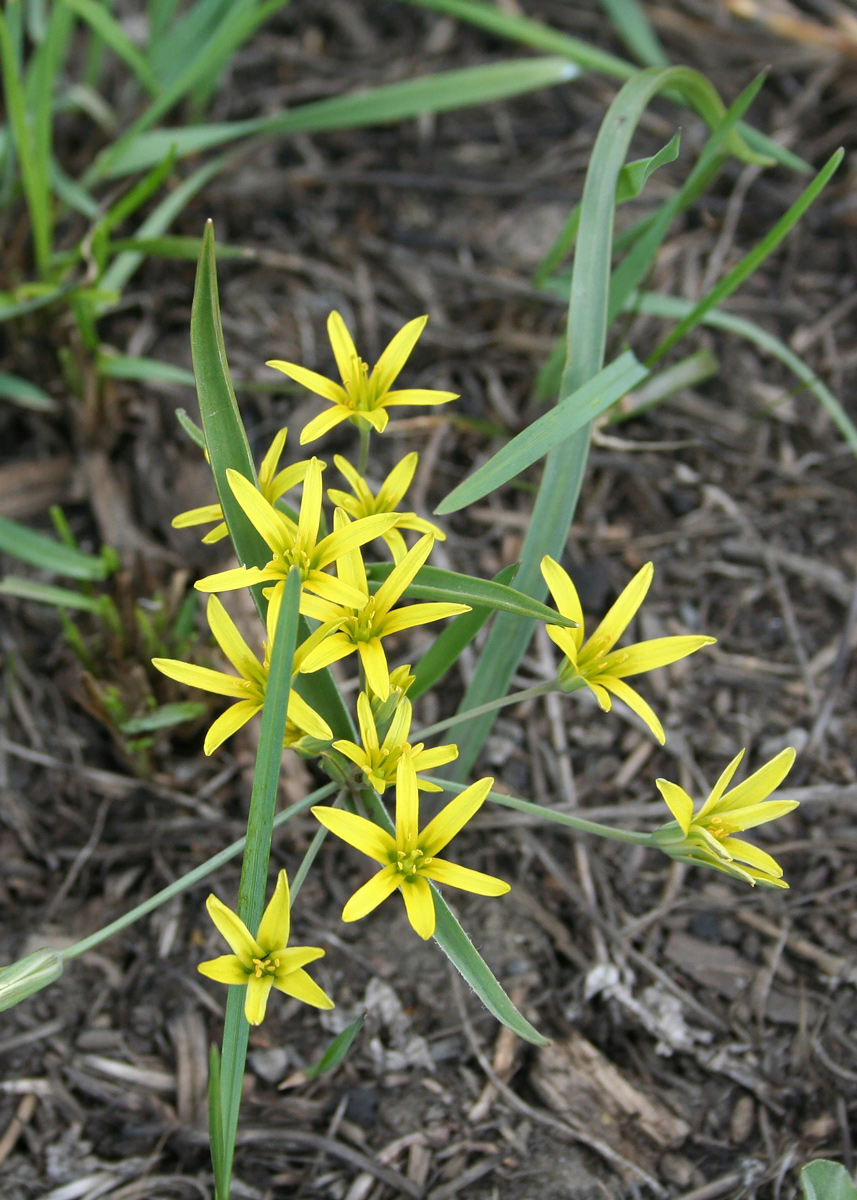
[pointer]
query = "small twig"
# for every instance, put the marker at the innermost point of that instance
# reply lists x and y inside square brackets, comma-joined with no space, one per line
[16,1126]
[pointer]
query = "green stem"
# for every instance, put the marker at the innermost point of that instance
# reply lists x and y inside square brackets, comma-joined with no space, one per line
[550,814]
[312,851]
[365,435]
[187,881]
[538,689]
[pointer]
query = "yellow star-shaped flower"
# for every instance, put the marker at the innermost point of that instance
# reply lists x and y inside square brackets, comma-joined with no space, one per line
[361,627]
[361,397]
[378,758]
[297,545]
[389,495]
[408,860]
[265,961]
[272,484]
[706,837]
[248,688]
[594,663]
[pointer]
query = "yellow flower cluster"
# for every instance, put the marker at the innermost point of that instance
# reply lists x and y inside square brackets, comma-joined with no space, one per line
[347,616]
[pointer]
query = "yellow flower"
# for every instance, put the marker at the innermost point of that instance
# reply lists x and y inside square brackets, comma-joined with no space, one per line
[388,496]
[706,837]
[594,663]
[408,860]
[378,758]
[361,627]
[248,688]
[265,961]
[272,484]
[297,545]
[361,397]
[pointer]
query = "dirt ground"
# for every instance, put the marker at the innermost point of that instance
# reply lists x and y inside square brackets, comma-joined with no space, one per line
[702,1033]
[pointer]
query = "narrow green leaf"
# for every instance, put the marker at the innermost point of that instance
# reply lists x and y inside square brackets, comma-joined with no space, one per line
[549,431]
[102,21]
[46,552]
[225,435]
[26,394]
[629,19]
[165,717]
[750,262]
[44,295]
[188,248]
[824,1179]
[472,967]
[676,308]
[447,647]
[391,102]
[433,583]
[146,370]
[687,372]
[215,1121]
[191,428]
[337,1051]
[45,593]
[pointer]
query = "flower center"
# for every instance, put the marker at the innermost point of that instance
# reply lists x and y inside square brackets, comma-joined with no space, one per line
[360,627]
[720,828]
[411,862]
[265,966]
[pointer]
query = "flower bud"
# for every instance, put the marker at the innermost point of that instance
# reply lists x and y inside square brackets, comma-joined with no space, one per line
[29,975]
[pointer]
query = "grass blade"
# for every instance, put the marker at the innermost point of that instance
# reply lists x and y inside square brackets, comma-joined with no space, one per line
[145,370]
[337,1051]
[549,431]
[102,21]
[750,262]
[26,394]
[51,555]
[687,372]
[629,19]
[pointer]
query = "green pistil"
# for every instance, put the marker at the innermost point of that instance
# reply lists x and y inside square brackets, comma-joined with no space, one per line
[411,862]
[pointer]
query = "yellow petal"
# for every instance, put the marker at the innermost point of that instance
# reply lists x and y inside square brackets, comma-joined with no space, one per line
[746,852]
[344,350]
[238,577]
[226,969]
[371,894]
[324,422]
[310,514]
[722,784]
[374,662]
[397,482]
[605,702]
[760,784]
[398,545]
[402,576]
[231,642]
[419,904]
[366,722]
[319,384]
[217,534]
[400,726]
[427,760]
[418,614]
[228,723]
[465,878]
[396,354]
[407,805]
[442,829]
[751,815]
[300,985]
[350,504]
[268,521]
[677,801]
[272,458]
[234,932]
[329,613]
[331,650]
[568,640]
[355,753]
[355,480]
[202,677]
[295,957]
[286,479]
[634,701]
[197,516]
[275,924]
[376,417]
[307,719]
[620,615]
[355,534]
[256,1000]
[363,835]
[419,396]
[648,656]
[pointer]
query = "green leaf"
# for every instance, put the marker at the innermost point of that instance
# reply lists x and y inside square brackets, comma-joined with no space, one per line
[823,1179]
[191,428]
[337,1051]
[472,967]
[433,583]
[629,19]
[102,21]
[215,1123]
[225,436]
[165,717]
[676,307]
[447,647]
[46,552]
[439,92]
[750,262]
[26,394]
[146,370]
[549,431]
[687,372]
[45,593]
[188,248]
